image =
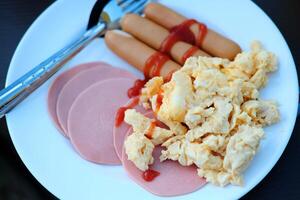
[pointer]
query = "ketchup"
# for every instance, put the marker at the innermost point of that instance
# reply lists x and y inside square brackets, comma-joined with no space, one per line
[135,90]
[152,68]
[120,116]
[149,132]
[169,76]
[121,112]
[190,52]
[201,35]
[154,64]
[182,32]
[168,43]
[150,174]
[159,100]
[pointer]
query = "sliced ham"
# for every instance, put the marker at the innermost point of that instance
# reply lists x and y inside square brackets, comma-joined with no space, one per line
[173,180]
[91,119]
[58,84]
[79,83]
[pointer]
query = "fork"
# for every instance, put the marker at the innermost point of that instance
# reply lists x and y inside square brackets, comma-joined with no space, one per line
[110,17]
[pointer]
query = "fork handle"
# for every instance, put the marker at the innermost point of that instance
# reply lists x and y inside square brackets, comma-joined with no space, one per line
[16,92]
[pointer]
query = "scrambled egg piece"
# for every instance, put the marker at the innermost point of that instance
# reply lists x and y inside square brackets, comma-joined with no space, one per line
[220,178]
[262,112]
[174,105]
[213,111]
[151,88]
[139,150]
[187,153]
[145,126]
[241,148]
[217,122]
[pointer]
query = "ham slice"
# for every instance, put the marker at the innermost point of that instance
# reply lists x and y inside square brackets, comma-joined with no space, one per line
[79,83]
[91,119]
[58,84]
[173,180]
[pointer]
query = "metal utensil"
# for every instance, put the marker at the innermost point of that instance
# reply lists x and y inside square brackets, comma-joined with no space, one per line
[25,85]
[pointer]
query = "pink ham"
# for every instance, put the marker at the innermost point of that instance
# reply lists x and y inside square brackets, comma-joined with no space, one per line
[173,180]
[119,132]
[79,83]
[58,84]
[91,119]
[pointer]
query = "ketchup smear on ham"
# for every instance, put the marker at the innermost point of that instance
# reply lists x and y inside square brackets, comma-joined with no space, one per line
[121,112]
[136,89]
[150,174]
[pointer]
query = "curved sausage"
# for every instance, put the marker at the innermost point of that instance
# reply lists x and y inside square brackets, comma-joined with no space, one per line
[154,35]
[135,52]
[213,43]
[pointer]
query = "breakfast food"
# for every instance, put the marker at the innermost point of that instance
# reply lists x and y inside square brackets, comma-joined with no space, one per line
[69,85]
[91,119]
[213,43]
[58,84]
[213,110]
[79,83]
[120,129]
[179,127]
[155,35]
[136,53]
[172,179]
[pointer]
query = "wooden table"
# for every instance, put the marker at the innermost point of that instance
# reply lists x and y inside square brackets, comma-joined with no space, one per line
[283,182]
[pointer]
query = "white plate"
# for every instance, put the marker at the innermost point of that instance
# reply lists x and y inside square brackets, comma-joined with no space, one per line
[50,157]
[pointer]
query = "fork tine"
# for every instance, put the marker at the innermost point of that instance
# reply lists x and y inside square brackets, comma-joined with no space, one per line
[124,4]
[120,2]
[136,7]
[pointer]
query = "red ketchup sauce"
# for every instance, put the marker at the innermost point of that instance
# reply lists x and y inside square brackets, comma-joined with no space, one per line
[152,68]
[121,112]
[154,64]
[201,35]
[150,174]
[149,132]
[190,52]
[159,100]
[169,76]
[182,32]
[136,89]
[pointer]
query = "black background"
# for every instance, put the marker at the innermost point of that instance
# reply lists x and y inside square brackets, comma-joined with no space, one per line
[16,182]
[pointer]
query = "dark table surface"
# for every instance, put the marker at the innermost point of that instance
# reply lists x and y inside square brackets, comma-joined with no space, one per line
[16,182]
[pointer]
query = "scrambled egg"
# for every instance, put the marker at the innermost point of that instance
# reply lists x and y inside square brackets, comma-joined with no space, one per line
[147,127]
[214,115]
[139,150]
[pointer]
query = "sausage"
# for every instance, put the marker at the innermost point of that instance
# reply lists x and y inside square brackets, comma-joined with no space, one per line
[135,52]
[213,43]
[154,35]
